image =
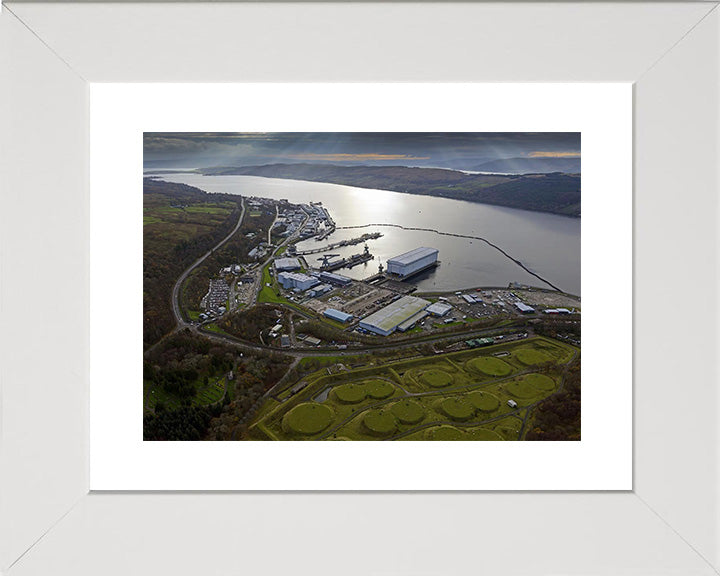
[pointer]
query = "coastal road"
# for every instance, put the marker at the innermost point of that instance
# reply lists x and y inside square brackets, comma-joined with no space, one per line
[179,320]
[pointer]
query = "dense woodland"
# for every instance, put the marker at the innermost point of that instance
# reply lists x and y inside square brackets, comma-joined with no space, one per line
[173,237]
[554,192]
[249,324]
[186,358]
[558,417]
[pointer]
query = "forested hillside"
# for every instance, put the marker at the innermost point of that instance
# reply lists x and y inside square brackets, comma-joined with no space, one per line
[555,192]
[180,223]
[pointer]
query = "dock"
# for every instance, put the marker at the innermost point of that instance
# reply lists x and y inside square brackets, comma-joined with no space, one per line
[353,260]
[341,243]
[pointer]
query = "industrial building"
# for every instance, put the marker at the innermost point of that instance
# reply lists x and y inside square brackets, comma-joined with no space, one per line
[335,279]
[338,315]
[386,320]
[284,264]
[439,309]
[412,321]
[290,280]
[319,290]
[412,262]
[524,308]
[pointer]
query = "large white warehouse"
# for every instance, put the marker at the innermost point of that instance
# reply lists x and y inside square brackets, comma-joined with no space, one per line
[297,280]
[411,262]
[386,320]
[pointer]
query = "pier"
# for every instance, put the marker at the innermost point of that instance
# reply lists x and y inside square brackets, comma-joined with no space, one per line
[353,260]
[341,243]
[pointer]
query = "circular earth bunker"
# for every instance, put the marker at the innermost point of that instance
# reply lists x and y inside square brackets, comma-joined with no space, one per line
[540,382]
[521,389]
[408,411]
[350,393]
[308,418]
[532,356]
[379,389]
[489,366]
[458,408]
[484,401]
[436,378]
[380,422]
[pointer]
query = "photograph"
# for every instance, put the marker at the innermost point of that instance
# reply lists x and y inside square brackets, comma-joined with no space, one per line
[371,286]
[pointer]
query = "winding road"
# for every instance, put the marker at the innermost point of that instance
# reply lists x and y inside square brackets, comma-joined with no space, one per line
[179,320]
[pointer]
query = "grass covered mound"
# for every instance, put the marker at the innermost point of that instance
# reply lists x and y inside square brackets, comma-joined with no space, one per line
[489,366]
[484,401]
[540,382]
[484,434]
[408,411]
[445,433]
[521,389]
[532,356]
[458,408]
[379,389]
[308,418]
[350,393]
[436,378]
[380,422]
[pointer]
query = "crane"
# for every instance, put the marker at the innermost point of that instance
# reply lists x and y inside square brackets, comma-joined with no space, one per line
[326,259]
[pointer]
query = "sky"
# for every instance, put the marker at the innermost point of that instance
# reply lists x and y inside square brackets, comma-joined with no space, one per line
[450,150]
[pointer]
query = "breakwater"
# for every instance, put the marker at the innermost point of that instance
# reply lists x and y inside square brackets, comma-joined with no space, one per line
[456,235]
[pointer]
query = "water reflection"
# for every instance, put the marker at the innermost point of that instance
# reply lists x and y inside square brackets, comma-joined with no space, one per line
[547,244]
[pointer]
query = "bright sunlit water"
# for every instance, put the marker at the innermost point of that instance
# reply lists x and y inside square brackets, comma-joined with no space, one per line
[547,244]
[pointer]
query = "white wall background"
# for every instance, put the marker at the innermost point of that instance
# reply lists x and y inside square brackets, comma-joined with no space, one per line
[43,288]
[677,400]
[668,527]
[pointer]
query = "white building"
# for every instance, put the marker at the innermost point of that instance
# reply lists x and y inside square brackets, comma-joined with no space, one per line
[524,308]
[411,262]
[319,290]
[386,320]
[282,264]
[291,280]
[439,309]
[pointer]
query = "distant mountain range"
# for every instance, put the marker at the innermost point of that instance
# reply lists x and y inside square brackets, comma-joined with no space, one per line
[531,165]
[542,192]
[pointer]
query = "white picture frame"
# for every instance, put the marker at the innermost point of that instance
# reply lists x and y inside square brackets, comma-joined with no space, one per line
[49,523]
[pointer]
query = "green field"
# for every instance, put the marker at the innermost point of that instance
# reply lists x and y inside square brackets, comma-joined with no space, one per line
[271,294]
[458,396]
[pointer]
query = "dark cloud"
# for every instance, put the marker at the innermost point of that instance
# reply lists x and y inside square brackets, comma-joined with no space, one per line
[447,149]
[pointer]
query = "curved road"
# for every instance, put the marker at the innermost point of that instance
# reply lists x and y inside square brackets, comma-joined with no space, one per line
[180,321]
